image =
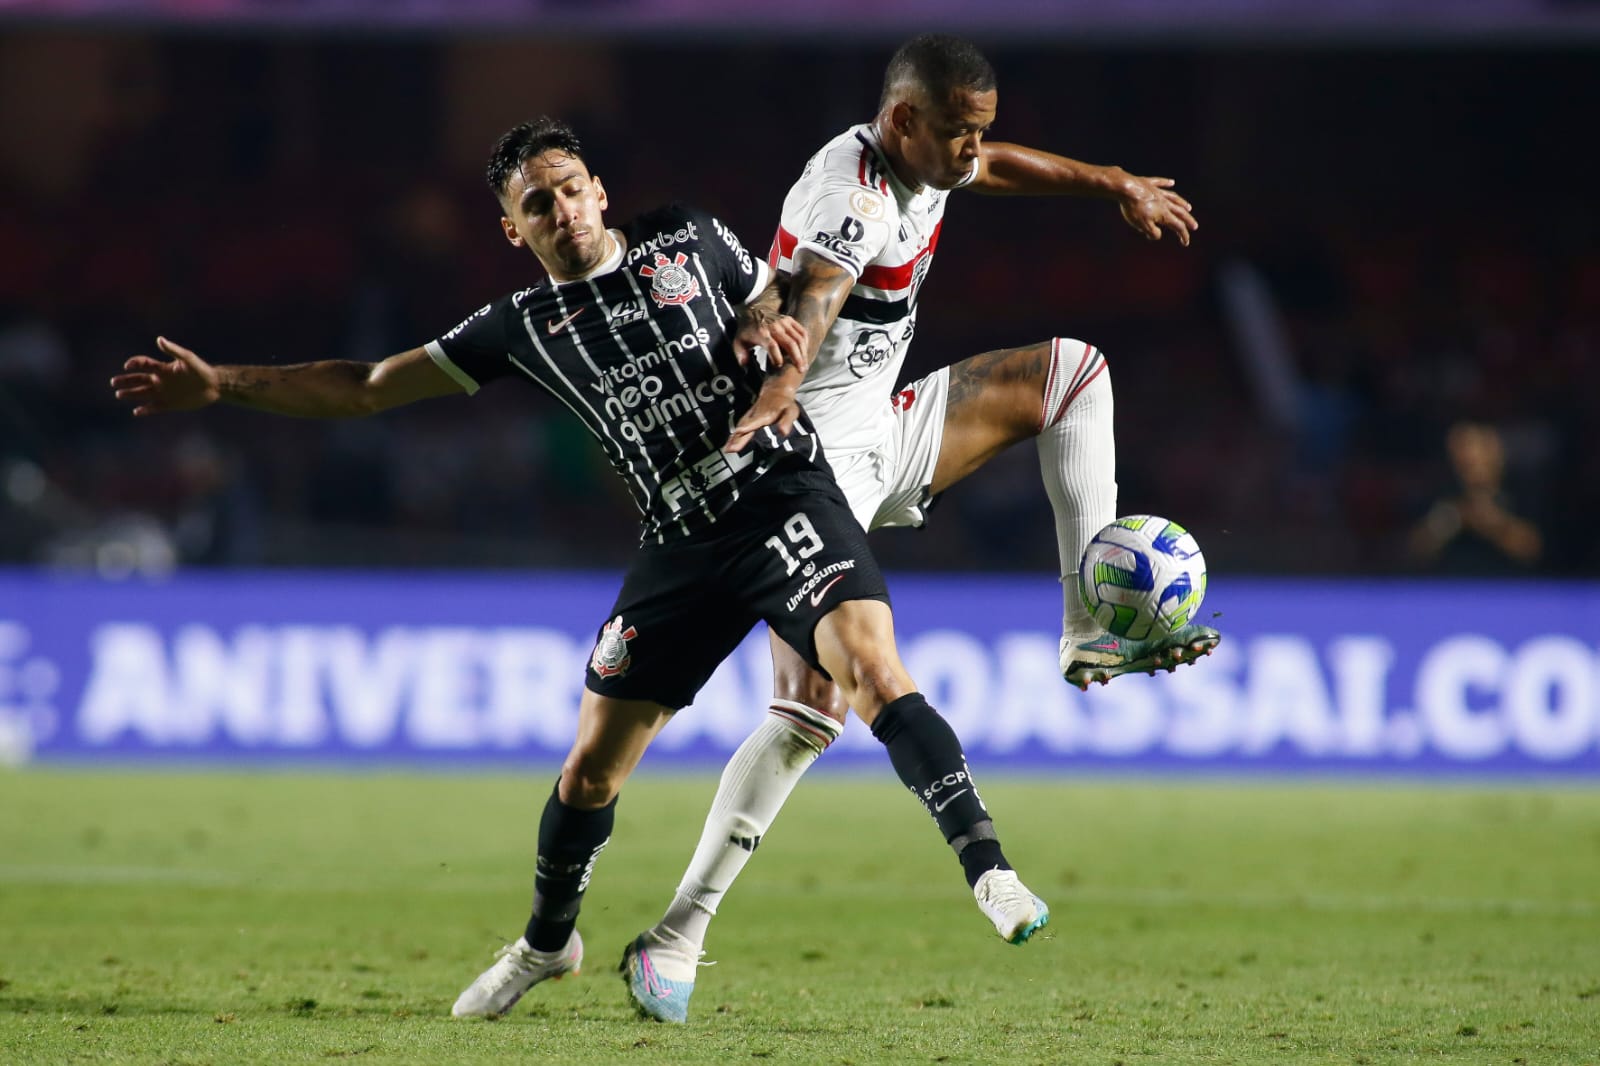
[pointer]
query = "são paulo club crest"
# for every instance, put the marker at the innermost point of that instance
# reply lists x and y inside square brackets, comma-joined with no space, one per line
[670,281]
[611,656]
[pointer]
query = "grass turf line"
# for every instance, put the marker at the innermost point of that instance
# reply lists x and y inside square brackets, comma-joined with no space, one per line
[216,919]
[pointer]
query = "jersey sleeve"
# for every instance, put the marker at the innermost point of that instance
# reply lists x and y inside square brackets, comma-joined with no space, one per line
[475,352]
[845,223]
[743,276]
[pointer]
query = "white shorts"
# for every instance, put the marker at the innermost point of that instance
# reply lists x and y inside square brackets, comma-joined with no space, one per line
[888,486]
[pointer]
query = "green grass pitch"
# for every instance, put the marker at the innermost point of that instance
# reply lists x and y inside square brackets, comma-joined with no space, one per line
[209,918]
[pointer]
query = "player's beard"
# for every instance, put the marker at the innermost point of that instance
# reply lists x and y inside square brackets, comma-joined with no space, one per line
[585,252]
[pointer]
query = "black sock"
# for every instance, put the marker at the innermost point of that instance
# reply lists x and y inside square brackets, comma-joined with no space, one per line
[927,755]
[570,840]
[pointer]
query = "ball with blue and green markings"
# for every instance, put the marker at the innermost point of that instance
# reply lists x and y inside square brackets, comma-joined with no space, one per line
[1142,576]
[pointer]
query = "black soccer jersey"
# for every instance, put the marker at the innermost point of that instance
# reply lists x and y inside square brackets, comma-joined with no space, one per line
[642,352]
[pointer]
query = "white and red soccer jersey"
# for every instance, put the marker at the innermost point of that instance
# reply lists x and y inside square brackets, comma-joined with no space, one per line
[849,208]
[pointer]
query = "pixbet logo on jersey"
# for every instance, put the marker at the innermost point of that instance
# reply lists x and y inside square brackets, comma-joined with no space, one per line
[655,244]
[670,282]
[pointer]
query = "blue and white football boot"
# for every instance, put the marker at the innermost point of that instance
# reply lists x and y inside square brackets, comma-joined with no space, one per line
[659,976]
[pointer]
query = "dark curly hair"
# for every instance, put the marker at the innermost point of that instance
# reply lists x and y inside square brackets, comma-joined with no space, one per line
[523,142]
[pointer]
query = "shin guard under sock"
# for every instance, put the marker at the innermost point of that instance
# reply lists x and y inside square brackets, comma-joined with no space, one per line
[570,840]
[927,756]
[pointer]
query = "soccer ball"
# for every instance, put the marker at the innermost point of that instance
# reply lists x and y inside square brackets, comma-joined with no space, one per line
[1142,577]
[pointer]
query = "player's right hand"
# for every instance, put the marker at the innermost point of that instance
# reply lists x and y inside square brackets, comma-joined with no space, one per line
[154,387]
[1150,205]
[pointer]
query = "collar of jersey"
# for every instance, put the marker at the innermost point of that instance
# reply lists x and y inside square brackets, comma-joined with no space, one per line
[607,265]
[902,190]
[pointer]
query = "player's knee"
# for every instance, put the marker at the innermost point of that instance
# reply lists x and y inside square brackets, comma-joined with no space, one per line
[812,689]
[875,681]
[587,784]
[1077,357]
[1079,375]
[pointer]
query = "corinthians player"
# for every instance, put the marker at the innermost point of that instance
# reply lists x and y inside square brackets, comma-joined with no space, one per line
[856,237]
[644,332]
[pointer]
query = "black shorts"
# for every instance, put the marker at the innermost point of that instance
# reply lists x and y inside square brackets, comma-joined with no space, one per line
[787,553]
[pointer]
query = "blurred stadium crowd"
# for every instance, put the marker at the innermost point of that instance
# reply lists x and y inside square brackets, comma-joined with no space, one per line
[1391,243]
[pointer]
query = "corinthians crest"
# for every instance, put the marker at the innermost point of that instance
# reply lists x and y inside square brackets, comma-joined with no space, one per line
[611,657]
[670,281]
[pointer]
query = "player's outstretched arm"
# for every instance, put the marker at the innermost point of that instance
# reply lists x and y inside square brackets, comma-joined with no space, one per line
[333,388]
[1149,205]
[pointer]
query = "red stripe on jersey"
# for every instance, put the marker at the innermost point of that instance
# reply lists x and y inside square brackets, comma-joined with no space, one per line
[783,243]
[899,277]
[890,278]
[861,168]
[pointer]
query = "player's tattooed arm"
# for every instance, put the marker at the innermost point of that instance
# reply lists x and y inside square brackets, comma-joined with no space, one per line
[817,291]
[765,306]
[767,334]
[1147,204]
[333,388]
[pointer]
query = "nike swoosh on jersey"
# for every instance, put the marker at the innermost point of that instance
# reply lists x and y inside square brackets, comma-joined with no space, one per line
[937,807]
[816,597]
[553,327]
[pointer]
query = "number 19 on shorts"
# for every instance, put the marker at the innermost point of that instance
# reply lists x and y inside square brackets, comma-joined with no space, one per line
[803,535]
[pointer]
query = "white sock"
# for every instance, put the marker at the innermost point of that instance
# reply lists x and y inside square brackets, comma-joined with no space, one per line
[1078,458]
[754,786]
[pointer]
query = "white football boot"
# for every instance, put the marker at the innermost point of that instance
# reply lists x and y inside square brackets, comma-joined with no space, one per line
[517,968]
[1016,912]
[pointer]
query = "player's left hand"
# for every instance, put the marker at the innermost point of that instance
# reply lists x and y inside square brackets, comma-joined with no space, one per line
[781,338]
[1149,205]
